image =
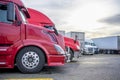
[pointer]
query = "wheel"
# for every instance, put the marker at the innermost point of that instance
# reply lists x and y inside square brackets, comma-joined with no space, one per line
[30,60]
[71,55]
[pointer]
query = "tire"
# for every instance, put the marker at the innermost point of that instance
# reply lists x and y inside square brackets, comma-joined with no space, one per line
[71,55]
[30,60]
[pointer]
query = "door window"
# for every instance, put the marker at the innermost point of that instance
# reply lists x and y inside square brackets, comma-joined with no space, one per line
[3,13]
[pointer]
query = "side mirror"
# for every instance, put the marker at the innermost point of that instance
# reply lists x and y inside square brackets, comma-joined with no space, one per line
[75,41]
[11,12]
[76,38]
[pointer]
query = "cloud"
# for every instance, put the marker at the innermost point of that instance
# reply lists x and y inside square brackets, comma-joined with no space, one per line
[108,30]
[81,15]
[56,10]
[113,20]
[77,13]
[51,4]
[117,2]
[60,4]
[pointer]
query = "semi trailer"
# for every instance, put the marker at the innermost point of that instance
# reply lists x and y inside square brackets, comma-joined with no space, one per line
[108,45]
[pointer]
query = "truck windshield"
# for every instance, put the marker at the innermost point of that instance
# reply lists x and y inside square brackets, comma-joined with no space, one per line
[49,27]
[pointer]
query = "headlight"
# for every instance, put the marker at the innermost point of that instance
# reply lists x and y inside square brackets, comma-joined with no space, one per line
[59,49]
[78,47]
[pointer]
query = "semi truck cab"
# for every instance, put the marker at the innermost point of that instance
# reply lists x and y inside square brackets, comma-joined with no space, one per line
[72,47]
[90,47]
[27,46]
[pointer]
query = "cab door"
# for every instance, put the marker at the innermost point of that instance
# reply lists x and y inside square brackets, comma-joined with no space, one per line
[9,32]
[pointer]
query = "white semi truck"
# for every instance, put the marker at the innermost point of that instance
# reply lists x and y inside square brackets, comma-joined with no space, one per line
[108,45]
[90,47]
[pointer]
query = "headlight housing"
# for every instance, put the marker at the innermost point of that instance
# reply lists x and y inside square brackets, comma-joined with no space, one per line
[59,49]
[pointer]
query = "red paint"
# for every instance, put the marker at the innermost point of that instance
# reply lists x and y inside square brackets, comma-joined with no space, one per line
[13,38]
[71,43]
[40,19]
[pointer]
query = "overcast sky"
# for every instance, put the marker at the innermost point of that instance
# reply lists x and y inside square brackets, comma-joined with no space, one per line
[97,18]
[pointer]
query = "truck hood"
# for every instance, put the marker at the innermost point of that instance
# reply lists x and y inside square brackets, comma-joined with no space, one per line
[38,18]
[71,41]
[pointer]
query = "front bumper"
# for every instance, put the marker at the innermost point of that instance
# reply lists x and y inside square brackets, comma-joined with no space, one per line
[56,60]
[67,58]
[77,54]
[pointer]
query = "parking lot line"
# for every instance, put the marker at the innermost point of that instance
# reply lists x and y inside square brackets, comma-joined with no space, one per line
[30,79]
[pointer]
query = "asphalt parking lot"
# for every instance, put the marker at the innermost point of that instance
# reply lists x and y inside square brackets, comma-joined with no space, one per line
[88,67]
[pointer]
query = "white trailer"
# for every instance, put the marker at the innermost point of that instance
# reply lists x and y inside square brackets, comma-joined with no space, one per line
[108,45]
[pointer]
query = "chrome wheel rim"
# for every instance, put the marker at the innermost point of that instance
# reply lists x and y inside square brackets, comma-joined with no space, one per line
[30,60]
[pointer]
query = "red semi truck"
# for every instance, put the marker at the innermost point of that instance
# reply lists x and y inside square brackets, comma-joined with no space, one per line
[70,45]
[27,46]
